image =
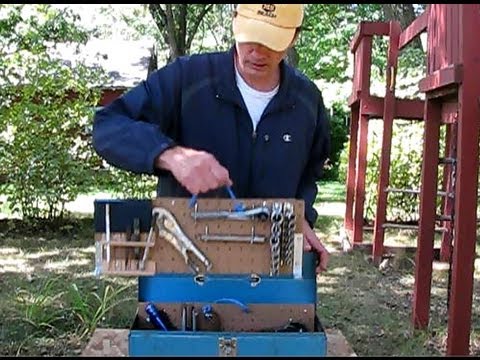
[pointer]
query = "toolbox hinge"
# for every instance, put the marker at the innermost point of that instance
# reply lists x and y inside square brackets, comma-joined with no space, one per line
[227,347]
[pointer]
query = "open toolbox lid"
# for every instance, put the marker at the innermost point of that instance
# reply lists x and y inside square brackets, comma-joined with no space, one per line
[211,236]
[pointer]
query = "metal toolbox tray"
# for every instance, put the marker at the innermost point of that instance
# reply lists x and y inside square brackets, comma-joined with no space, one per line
[262,316]
[150,342]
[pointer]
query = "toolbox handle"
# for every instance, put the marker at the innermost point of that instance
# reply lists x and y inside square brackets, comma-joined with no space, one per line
[237,207]
[244,307]
[207,308]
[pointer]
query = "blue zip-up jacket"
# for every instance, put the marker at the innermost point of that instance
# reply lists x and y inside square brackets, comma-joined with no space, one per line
[194,102]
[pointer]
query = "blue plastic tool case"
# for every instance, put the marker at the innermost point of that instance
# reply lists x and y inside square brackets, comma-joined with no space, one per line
[259,314]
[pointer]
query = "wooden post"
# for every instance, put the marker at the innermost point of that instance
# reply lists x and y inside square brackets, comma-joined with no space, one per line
[388,117]
[428,195]
[360,180]
[465,228]
[351,171]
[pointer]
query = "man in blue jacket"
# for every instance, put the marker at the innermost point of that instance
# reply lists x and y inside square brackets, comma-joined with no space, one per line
[241,118]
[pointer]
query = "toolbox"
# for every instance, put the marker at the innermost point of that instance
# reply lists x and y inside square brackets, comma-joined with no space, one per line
[217,277]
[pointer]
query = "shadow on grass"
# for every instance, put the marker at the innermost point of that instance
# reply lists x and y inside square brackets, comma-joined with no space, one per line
[77,232]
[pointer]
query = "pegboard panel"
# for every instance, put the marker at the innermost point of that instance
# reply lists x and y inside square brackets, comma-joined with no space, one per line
[261,317]
[225,256]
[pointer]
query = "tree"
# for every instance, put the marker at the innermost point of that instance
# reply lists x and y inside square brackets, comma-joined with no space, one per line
[403,13]
[178,24]
[323,46]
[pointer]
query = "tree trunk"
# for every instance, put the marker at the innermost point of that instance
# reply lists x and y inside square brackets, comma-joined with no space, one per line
[178,25]
[292,57]
[403,13]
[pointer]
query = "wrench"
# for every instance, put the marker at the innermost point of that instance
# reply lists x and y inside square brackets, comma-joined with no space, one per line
[262,213]
[169,229]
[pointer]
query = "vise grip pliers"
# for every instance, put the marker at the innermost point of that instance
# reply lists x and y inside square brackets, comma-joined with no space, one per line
[169,229]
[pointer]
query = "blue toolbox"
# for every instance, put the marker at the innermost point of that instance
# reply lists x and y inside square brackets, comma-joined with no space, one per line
[216,277]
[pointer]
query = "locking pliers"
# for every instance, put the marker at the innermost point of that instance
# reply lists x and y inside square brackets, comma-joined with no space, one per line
[169,229]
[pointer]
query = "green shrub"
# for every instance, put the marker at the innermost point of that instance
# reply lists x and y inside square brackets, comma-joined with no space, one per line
[45,114]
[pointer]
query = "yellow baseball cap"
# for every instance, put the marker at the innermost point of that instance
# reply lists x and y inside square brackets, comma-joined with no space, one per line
[272,25]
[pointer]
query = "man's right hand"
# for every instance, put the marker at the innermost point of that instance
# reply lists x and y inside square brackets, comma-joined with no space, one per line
[197,171]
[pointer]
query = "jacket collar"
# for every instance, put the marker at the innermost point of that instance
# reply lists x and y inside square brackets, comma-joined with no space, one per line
[227,87]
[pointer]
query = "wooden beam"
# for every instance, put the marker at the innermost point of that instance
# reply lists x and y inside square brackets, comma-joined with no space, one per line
[408,109]
[418,26]
[451,75]
[368,28]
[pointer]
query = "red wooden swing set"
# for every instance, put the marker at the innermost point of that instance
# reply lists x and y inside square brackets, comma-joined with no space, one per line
[452,99]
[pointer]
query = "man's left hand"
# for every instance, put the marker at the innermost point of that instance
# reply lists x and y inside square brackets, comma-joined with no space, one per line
[311,241]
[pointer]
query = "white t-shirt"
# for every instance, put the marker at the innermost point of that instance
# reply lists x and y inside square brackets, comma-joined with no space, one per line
[256,101]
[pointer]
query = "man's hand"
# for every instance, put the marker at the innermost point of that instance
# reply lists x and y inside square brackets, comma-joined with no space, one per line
[311,241]
[197,171]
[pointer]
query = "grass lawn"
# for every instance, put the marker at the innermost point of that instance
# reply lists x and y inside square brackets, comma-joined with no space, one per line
[51,302]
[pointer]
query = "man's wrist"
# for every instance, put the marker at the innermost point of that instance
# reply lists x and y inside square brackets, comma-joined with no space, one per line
[165,159]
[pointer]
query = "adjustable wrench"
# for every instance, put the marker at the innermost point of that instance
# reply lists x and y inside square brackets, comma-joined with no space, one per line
[262,213]
[169,229]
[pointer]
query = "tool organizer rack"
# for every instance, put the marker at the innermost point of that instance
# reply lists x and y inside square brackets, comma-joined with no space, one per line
[258,308]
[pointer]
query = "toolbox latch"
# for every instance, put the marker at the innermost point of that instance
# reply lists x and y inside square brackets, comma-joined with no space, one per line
[227,347]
